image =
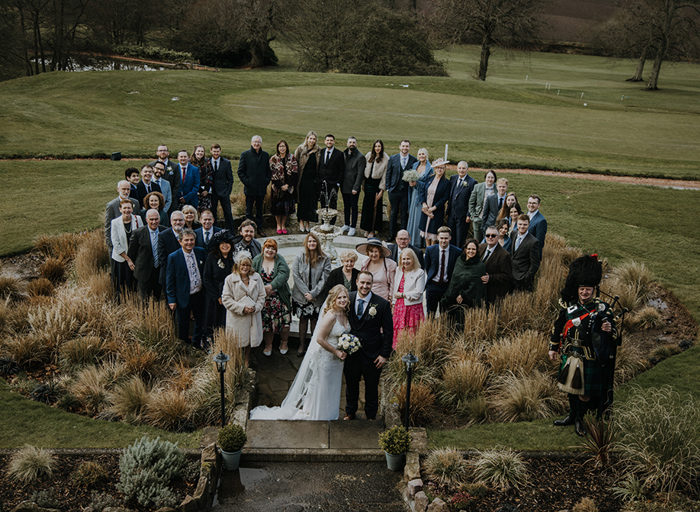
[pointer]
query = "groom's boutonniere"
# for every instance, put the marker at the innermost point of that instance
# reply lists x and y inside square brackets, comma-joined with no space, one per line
[169,169]
[372,310]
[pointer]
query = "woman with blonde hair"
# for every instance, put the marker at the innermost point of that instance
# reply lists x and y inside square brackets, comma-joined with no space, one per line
[243,297]
[346,274]
[308,162]
[433,198]
[315,392]
[191,217]
[425,171]
[310,271]
[409,284]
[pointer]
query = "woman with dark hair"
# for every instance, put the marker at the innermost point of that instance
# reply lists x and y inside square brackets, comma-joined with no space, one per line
[206,177]
[466,289]
[477,201]
[513,213]
[277,313]
[374,187]
[217,267]
[308,162]
[310,271]
[425,171]
[504,212]
[155,201]
[504,234]
[433,198]
[284,172]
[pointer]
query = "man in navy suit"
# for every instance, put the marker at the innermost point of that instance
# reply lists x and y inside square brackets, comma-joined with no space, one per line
[143,251]
[132,176]
[461,187]
[538,224]
[397,188]
[189,176]
[370,320]
[170,175]
[184,289]
[222,185]
[330,173]
[526,255]
[146,185]
[207,231]
[168,242]
[403,241]
[440,260]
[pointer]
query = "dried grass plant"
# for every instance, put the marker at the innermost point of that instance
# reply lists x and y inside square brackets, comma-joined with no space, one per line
[516,314]
[140,360]
[11,287]
[501,468]
[27,349]
[585,505]
[481,323]
[30,464]
[92,257]
[90,388]
[629,362]
[183,376]
[446,466]
[167,408]
[645,318]
[152,324]
[634,283]
[62,247]
[130,398]
[41,287]
[80,352]
[462,380]
[525,397]
[524,352]
[550,281]
[237,204]
[422,402]
[53,269]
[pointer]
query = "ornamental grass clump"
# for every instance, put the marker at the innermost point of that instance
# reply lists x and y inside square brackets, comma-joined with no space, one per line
[53,269]
[130,398]
[462,380]
[446,466]
[30,464]
[62,247]
[645,318]
[168,409]
[525,397]
[430,344]
[523,352]
[147,470]
[634,283]
[41,287]
[89,475]
[81,352]
[659,438]
[502,469]
[396,440]
[10,287]
[422,402]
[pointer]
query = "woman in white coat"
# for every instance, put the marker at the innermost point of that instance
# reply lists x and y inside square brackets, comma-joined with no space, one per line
[409,284]
[244,297]
[122,266]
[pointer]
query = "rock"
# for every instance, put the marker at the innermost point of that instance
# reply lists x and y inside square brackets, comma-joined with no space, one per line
[421,502]
[209,453]
[411,470]
[116,509]
[30,506]
[438,506]
[414,486]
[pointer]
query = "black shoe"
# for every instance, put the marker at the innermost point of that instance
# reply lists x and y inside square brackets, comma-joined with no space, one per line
[565,422]
[580,429]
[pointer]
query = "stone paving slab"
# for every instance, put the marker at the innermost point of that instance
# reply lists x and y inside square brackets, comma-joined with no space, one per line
[355,435]
[272,434]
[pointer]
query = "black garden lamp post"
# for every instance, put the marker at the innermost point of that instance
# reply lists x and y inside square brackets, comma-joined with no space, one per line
[410,361]
[221,359]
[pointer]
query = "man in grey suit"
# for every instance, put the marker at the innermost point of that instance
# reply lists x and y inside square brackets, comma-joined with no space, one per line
[350,187]
[494,203]
[143,251]
[112,210]
[397,188]
[526,253]
[222,185]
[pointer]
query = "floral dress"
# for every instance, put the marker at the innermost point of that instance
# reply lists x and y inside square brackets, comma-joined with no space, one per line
[206,180]
[406,317]
[275,314]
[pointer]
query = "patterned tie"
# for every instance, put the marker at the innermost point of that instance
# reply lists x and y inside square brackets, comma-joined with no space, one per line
[154,247]
[206,238]
[360,307]
[193,270]
[486,256]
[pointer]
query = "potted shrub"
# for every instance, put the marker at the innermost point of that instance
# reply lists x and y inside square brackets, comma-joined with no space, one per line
[395,442]
[231,439]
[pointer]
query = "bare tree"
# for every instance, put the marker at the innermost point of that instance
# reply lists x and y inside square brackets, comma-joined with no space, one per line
[256,19]
[491,23]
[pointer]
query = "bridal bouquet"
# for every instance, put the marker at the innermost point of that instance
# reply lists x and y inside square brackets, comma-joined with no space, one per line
[349,343]
[411,175]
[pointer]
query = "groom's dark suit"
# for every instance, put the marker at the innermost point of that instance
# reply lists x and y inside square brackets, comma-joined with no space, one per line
[376,332]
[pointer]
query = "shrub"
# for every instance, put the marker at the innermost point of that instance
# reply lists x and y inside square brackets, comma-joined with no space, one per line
[27,349]
[461,381]
[47,393]
[68,402]
[53,269]
[62,247]
[140,360]
[501,468]
[41,287]
[81,352]
[647,317]
[10,287]
[88,475]
[30,464]
[446,466]
[168,409]
[147,469]
[634,283]
[526,397]
[631,489]
[45,498]
[101,501]
[585,505]
[231,438]
[659,438]
[523,352]
[130,398]
[153,52]
[8,366]
[422,401]
[396,440]
[90,388]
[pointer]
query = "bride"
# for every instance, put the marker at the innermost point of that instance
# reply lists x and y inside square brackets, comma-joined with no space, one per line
[315,392]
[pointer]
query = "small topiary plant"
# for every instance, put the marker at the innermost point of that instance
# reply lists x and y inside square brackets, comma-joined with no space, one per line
[396,440]
[232,438]
[147,469]
[29,464]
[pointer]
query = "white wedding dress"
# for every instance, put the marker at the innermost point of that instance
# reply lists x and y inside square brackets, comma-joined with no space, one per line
[315,392]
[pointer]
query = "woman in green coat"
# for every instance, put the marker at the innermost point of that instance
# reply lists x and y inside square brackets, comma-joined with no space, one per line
[277,312]
[466,289]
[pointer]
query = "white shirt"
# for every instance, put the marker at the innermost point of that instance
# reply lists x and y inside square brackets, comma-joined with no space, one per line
[532,214]
[215,163]
[436,279]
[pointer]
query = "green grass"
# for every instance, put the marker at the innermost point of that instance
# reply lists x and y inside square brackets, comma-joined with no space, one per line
[26,422]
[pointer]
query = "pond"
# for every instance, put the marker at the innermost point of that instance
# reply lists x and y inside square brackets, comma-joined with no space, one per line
[82,62]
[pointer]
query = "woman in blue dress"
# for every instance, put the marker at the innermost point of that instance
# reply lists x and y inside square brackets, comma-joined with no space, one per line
[423,167]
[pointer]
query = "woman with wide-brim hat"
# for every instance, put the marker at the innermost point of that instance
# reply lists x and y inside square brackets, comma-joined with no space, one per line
[217,267]
[379,265]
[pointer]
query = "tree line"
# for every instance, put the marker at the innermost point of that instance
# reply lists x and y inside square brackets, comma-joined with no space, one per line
[379,37]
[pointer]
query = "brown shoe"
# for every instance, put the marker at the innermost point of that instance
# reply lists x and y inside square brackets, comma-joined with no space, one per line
[349,417]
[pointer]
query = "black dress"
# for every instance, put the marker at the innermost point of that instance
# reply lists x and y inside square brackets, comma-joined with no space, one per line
[371,219]
[308,195]
[216,269]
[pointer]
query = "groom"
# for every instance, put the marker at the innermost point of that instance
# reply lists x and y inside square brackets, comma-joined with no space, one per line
[370,320]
